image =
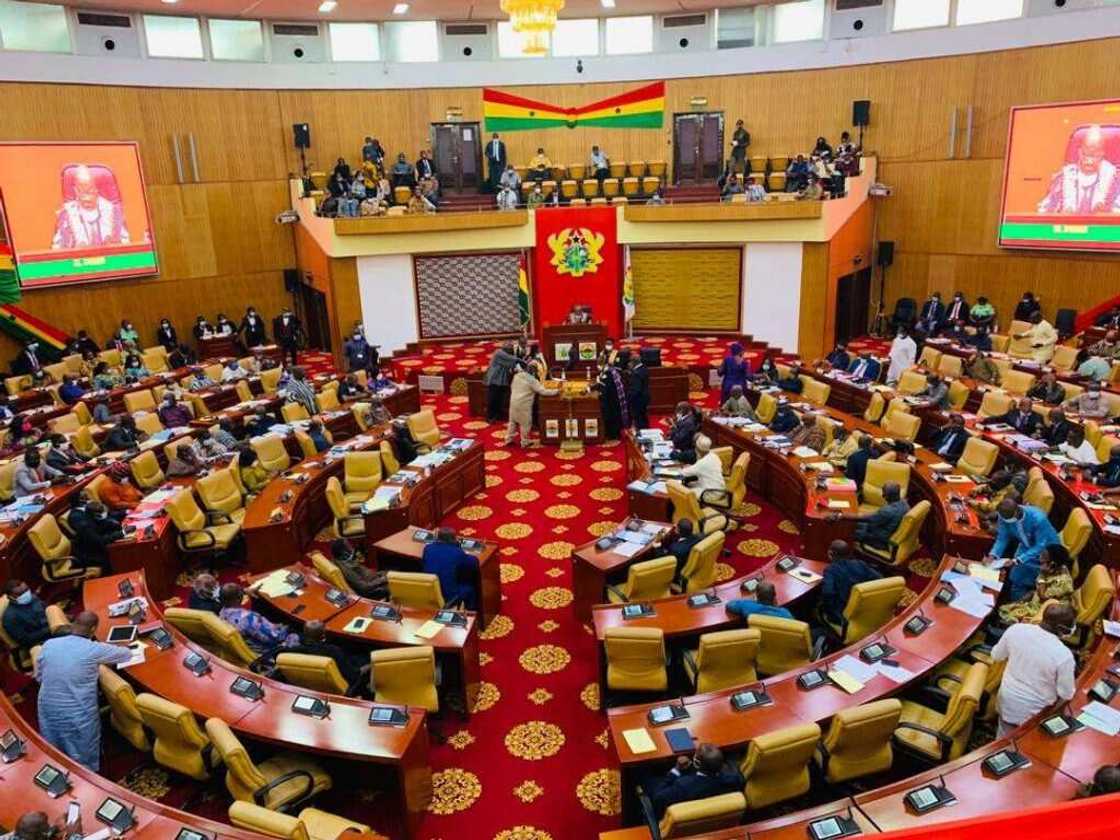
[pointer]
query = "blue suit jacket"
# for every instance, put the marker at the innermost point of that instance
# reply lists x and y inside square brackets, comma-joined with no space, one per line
[457,572]
[686,787]
[1033,532]
[871,374]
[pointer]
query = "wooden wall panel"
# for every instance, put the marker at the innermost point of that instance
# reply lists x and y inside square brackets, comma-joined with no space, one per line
[687,288]
[814,314]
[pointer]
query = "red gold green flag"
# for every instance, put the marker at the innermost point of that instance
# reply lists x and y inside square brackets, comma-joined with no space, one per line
[641,108]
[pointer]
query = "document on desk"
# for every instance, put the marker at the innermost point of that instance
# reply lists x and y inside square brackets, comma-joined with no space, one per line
[803,575]
[275,585]
[1100,717]
[838,504]
[893,673]
[639,537]
[806,452]
[627,549]
[855,668]
[137,651]
[428,630]
[638,741]
[1112,628]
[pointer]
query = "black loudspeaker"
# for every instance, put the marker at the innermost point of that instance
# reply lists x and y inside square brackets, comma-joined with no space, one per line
[291,280]
[651,356]
[861,112]
[301,133]
[886,253]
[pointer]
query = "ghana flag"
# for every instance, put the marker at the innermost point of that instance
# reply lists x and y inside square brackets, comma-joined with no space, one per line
[9,279]
[641,108]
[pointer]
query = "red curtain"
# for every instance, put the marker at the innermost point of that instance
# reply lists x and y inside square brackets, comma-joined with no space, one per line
[555,291]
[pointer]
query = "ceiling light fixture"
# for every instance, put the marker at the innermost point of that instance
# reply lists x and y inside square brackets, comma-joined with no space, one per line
[607,4]
[170,2]
[328,6]
[400,9]
[534,20]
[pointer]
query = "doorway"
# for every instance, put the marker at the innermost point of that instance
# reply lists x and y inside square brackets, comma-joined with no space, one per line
[457,150]
[853,297]
[697,147]
[311,307]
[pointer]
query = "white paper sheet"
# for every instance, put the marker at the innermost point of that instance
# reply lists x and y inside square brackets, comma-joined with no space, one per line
[858,670]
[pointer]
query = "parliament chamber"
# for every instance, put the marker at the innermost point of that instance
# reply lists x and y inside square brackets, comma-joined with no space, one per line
[548,419]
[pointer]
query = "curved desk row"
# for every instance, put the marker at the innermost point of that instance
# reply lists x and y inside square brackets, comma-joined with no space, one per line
[310,603]
[396,756]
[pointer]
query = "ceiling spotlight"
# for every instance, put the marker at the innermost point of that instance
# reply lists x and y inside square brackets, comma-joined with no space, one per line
[400,9]
[170,2]
[607,4]
[328,6]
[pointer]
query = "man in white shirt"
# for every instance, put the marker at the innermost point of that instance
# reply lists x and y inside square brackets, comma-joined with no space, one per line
[1079,450]
[600,165]
[902,355]
[708,469]
[1042,337]
[1039,666]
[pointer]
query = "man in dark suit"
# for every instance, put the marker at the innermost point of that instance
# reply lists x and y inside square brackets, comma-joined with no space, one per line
[93,534]
[313,642]
[856,466]
[957,310]
[843,572]
[785,420]
[286,331]
[875,529]
[864,368]
[27,362]
[1058,429]
[686,540]
[950,441]
[699,776]
[1021,418]
[496,161]
[457,571]
[637,393]
[932,315]
[424,167]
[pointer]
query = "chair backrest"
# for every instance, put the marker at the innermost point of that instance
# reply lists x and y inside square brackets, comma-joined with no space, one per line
[1094,596]
[336,499]
[725,454]
[243,777]
[875,408]
[328,398]
[155,360]
[148,423]
[263,821]
[726,658]
[270,449]
[1065,358]
[701,816]
[415,589]
[776,766]
[270,380]
[958,394]
[219,491]
[318,673]
[650,579]
[902,426]
[228,640]
[191,623]
[139,401]
[406,676]
[907,536]
[328,571]
[388,458]
[785,643]
[362,471]
[306,444]
[766,409]
[737,481]
[244,392]
[871,604]
[8,479]
[685,504]
[930,357]
[146,470]
[880,473]
[423,426]
[950,365]
[956,724]
[978,457]
[124,716]
[699,571]
[48,540]
[83,442]
[897,405]
[858,742]
[1104,447]
[293,412]
[1017,382]
[636,659]
[814,390]
[14,384]
[993,404]
[185,512]
[911,382]
[1076,533]
[67,424]
[180,741]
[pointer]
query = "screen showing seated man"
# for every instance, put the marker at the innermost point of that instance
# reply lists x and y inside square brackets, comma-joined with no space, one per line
[91,212]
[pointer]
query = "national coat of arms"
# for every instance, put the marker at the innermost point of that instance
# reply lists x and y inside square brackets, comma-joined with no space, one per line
[575,251]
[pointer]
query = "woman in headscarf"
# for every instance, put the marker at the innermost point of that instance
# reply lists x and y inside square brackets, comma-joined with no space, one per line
[734,369]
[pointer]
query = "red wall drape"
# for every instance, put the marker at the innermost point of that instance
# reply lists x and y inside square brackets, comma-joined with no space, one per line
[554,294]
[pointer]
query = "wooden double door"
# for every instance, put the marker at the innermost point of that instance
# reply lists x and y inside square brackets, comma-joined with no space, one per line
[697,147]
[457,151]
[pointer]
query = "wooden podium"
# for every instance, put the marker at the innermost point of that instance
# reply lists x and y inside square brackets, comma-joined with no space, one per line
[574,335]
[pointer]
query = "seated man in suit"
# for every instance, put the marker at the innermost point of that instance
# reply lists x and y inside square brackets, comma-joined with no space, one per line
[763,603]
[457,571]
[313,642]
[950,441]
[1020,417]
[1057,429]
[681,547]
[839,359]
[785,420]
[361,578]
[864,368]
[792,382]
[699,776]
[204,594]
[875,529]
[936,392]
[540,167]
[25,619]
[843,572]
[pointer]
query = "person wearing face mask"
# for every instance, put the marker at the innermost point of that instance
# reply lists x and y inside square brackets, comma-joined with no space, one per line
[166,336]
[252,329]
[608,354]
[127,335]
[202,328]
[1039,670]
[287,331]
[224,326]
[932,315]
[27,362]
[864,368]
[33,476]
[957,309]
[733,370]
[902,354]
[233,371]
[1091,405]
[25,619]
[1029,527]
[94,534]
[356,351]
[173,414]
[204,594]
[117,493]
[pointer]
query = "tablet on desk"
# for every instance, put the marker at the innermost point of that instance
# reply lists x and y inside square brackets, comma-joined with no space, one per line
[833,827]
[191,834]
[122,634]
[11,747]
[114,814]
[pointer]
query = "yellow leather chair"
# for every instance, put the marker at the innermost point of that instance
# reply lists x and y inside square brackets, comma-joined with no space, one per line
[702,816]
[950,365]
[931,357]
[776,765]
[1091,601]
[135,401]
[328,398]
[1038,493]
[404,676]
[785,644]
[318,673]
[84,444]
[1019,347]
[415,589]
[146,470]
[858,742]
[650,183]
[221,495]
[590,187]
[766,409]
[155,360]
[345,524]
[244,392]
[270,449]
[699,572]
[905,540]
[911,382]
[15,384]
[283,781]
[361,411]
[18,657]
[880,473]
[569,189]
[645,581]
[978,457]
[705,520]
[424,429]
[8,480]
[903,426]
[875,408]
[938,737]
[192,624]
[737,481]
[725,454]
[82,410]
[67,424]
[270,380]
[229,644]
[1075,536]
[611,187]
[1017,382]
[1104,447]
[92,490]
[293,412]
[1064,359]
[814,390]
[309,824]
[631,186]
[389,458]
[958,395]
[724,659]
[55,552]
[329,572]
[949,677]
[180,745]
[362,475]
[124,715]
[993,404]
[149,423]
[636,659]
[871,604]
[195,535]
[306,444]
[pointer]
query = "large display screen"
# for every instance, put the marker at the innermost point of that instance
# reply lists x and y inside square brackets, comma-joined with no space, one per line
[1061,187]
[76,212]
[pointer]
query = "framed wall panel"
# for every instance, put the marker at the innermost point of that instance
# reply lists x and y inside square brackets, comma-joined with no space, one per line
[467,294]
[687,288]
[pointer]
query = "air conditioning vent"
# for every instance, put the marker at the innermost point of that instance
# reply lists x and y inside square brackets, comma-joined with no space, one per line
[466,29]
[849,5]
[683,20]
[99,19]
[306,30]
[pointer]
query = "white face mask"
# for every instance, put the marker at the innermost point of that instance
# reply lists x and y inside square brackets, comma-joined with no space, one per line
[24,598]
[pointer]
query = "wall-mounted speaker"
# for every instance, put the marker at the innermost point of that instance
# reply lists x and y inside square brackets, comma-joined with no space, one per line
[291,280]
[301,135]
[861,112]
[886,253]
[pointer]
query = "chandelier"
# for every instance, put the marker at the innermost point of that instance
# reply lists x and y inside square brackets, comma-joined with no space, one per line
[534,20]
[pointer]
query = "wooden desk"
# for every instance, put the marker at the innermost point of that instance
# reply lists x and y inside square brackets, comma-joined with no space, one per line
[400,551]
[217,346]
[457,647]
[651,507]
[571,416]
[396,756]
[593,570]
[573,334]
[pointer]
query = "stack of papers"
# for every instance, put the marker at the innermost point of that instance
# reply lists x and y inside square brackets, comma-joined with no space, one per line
[651,434]
[627,549]
[429,629]
[841,485]
[1100,717]
[648,487]
[638,537]
[275,585]
[806,452]
[638,741]
[972,598]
